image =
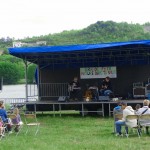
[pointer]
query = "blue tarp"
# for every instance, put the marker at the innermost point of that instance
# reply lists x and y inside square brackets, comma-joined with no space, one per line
[87,55]
[69,48]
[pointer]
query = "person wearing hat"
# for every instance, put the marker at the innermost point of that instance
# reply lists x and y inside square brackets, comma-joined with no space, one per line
[127,110]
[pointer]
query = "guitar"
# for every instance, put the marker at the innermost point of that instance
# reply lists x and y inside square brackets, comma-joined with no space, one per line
[104,86]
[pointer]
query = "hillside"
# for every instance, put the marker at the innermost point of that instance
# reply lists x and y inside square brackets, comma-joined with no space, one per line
[98,32]
[101,31]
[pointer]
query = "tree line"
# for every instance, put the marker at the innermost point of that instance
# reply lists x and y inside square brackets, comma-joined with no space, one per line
[12,68]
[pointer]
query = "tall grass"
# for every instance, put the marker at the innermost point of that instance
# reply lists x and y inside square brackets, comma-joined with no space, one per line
[73,133]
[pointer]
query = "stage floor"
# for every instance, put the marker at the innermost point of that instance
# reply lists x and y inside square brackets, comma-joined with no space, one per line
[104,108]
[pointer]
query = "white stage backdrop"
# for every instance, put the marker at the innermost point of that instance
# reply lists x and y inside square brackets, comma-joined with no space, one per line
[98,72]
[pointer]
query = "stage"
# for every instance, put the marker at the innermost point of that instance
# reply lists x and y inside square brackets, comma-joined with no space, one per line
[102,108]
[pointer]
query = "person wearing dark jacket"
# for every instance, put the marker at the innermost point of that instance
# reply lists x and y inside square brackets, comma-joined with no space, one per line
[106,87]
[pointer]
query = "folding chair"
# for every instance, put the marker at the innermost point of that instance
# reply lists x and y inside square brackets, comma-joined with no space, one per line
[144,120]
[116,118]
[136,126]
[2,129]
[16,126]
[31,120]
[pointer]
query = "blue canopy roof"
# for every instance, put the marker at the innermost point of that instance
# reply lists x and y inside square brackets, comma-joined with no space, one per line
[69,48]
[82,55]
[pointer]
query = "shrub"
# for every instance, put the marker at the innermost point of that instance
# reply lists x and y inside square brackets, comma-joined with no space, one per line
[10,72]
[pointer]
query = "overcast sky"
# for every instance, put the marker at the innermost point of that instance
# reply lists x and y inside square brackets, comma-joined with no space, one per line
[23,18]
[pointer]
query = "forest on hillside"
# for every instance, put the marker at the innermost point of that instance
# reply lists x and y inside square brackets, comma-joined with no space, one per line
[99,32]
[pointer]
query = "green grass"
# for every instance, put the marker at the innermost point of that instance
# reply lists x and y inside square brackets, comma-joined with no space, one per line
[73,132]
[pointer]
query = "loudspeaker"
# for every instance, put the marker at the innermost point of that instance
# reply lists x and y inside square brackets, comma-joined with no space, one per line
[62,98]
[139,92]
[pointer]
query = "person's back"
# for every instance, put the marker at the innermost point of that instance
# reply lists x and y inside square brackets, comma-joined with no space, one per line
[18,118]
[144,110]
[129,111]
[117,111]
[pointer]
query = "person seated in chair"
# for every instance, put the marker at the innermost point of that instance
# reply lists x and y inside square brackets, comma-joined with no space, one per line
[75,89]
[17,120]
[127,110]
[3,115]
[117,110]
[106,87]
[144,110]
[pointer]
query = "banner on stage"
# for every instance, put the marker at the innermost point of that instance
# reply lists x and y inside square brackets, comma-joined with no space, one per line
[98,72]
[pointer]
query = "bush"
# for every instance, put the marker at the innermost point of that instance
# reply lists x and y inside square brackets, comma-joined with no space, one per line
[10,72]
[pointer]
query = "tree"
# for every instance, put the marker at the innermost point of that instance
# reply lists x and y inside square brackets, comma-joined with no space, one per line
[10,72]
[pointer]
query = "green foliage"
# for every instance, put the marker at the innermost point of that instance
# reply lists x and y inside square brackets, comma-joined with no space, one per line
[10,58]
[101,31]
[17,61]
[31,73]
[10,72]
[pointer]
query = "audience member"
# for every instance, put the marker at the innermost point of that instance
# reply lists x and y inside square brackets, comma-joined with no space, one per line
[17,120]
[117,110]
[137,107]
[127,110]
[144,110]
[3,115]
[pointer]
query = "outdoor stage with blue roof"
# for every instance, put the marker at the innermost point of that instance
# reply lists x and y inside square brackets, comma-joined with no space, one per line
[59,64]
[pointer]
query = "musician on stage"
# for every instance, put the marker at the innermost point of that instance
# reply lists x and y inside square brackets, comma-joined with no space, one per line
[75,90]
[106,87]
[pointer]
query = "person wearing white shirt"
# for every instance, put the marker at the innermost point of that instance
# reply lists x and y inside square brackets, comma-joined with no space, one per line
[127,110]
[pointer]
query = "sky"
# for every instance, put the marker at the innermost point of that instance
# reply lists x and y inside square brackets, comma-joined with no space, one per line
[27,18]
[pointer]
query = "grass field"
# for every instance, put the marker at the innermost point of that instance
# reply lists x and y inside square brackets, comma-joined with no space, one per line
[73,132]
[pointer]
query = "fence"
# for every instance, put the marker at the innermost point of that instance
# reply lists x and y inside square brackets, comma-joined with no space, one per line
[53,89]
[32,90]
[16,100]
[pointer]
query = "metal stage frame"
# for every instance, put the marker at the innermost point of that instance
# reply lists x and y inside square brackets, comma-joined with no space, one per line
[104,105]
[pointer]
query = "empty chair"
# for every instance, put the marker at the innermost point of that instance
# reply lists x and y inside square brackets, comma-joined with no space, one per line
[132,122]
[31,121]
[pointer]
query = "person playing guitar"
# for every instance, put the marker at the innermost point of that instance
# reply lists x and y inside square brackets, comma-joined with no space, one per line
[106,88]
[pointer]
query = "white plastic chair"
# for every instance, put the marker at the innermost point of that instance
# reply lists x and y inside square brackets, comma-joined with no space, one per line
[144,120]
[137,127]
[30,121]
